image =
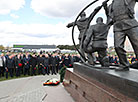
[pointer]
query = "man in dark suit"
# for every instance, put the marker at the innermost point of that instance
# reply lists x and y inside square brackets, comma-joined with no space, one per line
[33,64]
[26,65]
[46,64]
[40,60]
[9,66]
[53,63]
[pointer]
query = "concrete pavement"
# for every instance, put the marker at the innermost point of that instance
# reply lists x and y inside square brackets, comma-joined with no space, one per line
[31,89]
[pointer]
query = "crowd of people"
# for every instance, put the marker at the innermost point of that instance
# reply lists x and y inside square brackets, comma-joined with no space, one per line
[17,64]
[113,59]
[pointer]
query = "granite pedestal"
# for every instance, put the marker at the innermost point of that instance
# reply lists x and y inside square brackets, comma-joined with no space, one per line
[90,84]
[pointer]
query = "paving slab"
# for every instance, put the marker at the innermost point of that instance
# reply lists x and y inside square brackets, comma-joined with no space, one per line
[31,89]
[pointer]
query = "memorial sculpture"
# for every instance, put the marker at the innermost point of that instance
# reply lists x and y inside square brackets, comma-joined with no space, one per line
[120,14]
[82,26]
[96,41]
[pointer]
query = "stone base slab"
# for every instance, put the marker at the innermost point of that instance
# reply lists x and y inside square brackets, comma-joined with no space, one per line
[86,88]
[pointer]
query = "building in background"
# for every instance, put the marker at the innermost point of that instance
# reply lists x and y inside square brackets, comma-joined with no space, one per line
[35,48]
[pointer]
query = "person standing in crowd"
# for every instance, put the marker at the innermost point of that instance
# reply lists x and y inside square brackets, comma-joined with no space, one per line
[133,59]
[57,62]
[40,60]
[53,64]
[2,65]
[19,64]
[9,66]
[46,64]
[66,61]
[116,59]
[26,65]
[7,55]
[22,67]
[111,61]
[33,64]
[70,60]
[129,59]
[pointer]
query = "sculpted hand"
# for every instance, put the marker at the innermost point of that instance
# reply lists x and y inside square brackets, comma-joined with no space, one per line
[104,3]
[97,8]
[67,26]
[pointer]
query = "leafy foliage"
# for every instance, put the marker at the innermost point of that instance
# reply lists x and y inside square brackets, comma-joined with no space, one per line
[68,47]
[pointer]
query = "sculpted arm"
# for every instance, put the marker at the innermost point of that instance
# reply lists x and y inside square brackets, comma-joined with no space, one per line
[70,25]
[105,6]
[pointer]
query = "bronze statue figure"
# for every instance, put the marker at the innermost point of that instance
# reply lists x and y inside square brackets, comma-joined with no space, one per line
[82,26]
[96,41]
[122,14]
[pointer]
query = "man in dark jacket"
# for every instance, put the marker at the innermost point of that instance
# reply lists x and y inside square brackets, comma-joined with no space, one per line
[53,62]
[18,64]
[40,60]
[66,61]
[9,66]
[33,64]
[46,64]
[26,65]
[57,62]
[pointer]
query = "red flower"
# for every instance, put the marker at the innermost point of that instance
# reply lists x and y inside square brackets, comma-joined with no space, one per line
[44,67]
[35,68]
[70,65]
[20,64]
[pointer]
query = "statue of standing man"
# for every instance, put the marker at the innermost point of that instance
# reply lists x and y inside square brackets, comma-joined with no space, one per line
[122,14]
[82,26]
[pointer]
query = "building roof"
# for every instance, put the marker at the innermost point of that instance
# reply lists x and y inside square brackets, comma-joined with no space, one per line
[35,46]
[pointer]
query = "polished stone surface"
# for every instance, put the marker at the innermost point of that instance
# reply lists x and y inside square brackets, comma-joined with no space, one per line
[125,82]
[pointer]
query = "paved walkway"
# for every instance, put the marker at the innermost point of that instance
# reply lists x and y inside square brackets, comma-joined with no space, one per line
[31,89]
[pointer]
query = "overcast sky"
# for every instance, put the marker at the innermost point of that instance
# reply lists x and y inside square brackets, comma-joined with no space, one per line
[42,21]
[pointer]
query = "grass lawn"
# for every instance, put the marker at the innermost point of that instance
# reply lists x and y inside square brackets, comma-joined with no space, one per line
[9,78]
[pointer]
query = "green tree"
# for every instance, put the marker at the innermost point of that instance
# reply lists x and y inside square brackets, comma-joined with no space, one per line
[68,47]
[1,47]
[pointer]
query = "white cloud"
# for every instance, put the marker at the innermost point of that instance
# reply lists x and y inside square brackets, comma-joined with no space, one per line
[7,6]
[39,34]
[65,8]
[59,8]
[14,16]
[136,11]
[34,34]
